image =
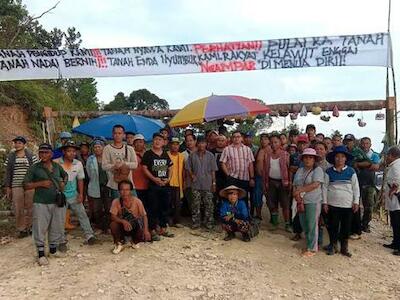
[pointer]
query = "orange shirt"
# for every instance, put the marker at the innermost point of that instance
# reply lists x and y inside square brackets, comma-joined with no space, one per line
[139,179]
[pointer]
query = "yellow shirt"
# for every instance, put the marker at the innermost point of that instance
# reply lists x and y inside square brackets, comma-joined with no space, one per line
[177,171]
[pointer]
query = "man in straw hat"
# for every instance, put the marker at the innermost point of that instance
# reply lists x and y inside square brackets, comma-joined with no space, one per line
[234,214]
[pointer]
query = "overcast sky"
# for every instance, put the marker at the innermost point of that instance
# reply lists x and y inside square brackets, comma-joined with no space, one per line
[126,23]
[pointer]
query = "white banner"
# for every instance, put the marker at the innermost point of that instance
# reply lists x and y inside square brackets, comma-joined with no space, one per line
[325,51]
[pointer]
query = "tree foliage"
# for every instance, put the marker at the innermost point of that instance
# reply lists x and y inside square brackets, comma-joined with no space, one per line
[19,29]
[137,100]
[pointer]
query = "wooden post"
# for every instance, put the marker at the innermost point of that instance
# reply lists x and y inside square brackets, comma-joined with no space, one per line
[390,115]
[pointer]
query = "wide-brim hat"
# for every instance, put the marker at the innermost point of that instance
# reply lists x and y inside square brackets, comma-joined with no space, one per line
[310,152]
[224,192]
[339,149]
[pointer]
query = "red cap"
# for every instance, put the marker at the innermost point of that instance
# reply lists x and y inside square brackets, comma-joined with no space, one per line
[302,138]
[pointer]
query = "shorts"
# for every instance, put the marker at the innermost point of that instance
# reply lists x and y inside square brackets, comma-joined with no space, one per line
[276,195]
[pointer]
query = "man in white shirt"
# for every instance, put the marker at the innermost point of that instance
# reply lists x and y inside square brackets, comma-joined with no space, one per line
[392,202]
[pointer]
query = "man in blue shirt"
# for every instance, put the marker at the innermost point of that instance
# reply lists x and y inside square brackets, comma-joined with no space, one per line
[366,177]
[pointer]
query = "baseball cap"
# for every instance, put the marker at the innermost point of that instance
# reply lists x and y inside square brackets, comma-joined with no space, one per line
[98,142]
[302,138]
[157,134]
[175,140]
[45,147]
[65,135]
[138,137]
[70,144]
[350,137]
[19,139]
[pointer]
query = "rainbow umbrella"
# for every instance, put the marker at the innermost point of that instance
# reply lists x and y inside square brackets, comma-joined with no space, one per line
[217,107]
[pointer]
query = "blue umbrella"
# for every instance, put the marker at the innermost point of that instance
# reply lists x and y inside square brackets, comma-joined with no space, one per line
[102,126]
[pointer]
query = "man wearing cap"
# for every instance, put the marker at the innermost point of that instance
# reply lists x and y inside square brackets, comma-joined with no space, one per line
[74,188]
[139,178]
[64,137]
[17,164]
[98,192]
[157,166]
[212,140]
[176,183]
[237,163]
[360,159]
[46,178]
[201,166]
[118,160]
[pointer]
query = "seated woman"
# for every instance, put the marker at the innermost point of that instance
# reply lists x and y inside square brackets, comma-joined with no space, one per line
[128,218]
[234,214]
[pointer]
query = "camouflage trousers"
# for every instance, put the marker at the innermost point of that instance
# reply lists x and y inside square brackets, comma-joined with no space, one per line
[202,199]
[368,196]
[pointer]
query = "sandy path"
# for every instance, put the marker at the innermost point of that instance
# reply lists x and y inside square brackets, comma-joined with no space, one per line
[203,267]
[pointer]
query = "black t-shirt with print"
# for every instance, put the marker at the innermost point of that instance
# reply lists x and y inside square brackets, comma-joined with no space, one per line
[157,165]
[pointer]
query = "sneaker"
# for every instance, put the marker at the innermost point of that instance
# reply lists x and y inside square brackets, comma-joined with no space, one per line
[396,252]
[155,238]
[246,237]
[43,261]
[118,248]
[288,228]
[177,225]
[355,236]
[195,226]
[167,234]
[23,234]
[57,254]
[92,241]
[366,229]
[229,236]
[62,247]
[389,246]
[296,237]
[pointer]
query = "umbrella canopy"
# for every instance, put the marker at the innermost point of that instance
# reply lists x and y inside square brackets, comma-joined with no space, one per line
[217,107]
[102,126]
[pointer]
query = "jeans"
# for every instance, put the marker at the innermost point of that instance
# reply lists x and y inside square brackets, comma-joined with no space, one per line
[79,210]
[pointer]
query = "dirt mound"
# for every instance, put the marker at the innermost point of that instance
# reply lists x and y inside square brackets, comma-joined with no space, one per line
[14,121]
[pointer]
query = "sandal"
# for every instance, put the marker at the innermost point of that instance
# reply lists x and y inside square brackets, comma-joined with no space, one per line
[308,253]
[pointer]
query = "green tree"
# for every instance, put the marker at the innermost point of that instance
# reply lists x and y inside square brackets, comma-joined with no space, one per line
[137,100]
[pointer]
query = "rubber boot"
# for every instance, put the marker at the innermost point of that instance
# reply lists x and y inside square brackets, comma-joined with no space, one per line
[275,220]
[344,248]
[68,225]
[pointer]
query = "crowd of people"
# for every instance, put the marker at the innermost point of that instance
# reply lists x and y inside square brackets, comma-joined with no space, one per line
[137,192]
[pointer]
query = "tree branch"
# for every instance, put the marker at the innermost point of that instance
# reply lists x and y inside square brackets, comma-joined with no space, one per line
[29,21]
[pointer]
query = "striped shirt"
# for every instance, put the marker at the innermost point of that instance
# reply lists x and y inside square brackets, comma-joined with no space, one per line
[21,167]
[238,160]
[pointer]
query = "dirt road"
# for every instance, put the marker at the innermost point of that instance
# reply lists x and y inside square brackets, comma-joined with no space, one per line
[203,267]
